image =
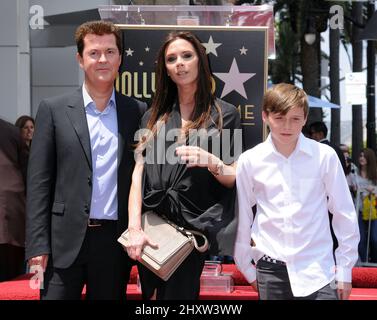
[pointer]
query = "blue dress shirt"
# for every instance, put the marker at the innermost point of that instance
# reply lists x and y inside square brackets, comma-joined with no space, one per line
[103,131]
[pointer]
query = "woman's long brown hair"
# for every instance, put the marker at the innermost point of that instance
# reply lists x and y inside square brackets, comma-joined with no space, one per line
[371,166]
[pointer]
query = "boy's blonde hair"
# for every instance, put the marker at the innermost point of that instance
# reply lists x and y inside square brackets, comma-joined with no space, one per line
[283,97]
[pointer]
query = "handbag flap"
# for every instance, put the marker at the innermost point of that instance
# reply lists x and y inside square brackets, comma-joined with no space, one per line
[168,238]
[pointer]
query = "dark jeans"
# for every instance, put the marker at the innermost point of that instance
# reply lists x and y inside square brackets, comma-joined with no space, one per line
[273,284]
[372,251]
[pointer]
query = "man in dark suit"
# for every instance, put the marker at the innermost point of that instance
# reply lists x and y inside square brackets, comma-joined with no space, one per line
[79,176]
[13,165]
[318,132]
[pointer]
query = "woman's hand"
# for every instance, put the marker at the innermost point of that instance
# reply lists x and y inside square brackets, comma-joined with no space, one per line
[196,156]
[137,240]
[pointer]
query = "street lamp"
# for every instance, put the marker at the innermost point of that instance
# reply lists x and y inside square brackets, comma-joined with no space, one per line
[310,34]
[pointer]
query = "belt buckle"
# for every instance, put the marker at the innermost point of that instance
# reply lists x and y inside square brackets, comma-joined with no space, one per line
[93,224]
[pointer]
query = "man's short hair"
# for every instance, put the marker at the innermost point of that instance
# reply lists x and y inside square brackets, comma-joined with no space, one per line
[99,28]
[318,126]
[344,148]
[283,97]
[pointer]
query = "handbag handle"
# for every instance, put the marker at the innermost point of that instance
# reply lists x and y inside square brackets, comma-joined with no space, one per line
[204,246]
[190,234]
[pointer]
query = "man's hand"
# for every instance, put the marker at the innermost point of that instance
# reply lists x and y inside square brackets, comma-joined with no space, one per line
[344,290]
[39,261]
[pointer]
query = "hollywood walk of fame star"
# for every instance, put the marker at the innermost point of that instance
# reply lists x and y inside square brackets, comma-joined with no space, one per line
[234,80]
[129,52]
[211,46]
[243,51]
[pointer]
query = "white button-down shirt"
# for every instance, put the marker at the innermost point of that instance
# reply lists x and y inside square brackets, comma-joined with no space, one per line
[103,132]
[293,196]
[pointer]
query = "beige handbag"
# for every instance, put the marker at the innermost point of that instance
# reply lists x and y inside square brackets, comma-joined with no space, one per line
[174,244]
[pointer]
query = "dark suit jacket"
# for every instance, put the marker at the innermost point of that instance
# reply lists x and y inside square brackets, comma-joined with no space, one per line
[13,165]
[339,152]
[60,175]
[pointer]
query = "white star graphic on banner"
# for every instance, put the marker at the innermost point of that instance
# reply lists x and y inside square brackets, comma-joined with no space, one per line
[147,49]
[243,50]
[211,46]
[234,80]
[141,63]
[129,52]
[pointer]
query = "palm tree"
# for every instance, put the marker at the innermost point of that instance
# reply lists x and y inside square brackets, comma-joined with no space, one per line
[334,84]
[357,51]
[284,67]
[296,59]
[371,103]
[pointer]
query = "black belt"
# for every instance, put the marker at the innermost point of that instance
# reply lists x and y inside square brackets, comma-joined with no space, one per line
[100,222]
[272,260]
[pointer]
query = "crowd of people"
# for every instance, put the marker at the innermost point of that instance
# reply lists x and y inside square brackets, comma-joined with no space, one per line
[13,168]
[88,173]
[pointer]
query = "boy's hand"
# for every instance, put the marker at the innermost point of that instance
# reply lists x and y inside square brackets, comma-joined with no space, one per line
[254,285]
[344,290]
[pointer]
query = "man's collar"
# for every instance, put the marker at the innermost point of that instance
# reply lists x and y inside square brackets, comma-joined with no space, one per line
[88,99]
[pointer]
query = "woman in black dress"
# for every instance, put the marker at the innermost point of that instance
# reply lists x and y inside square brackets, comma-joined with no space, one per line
[185,173]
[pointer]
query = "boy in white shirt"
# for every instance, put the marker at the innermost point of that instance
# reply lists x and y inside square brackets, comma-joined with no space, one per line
[294,181]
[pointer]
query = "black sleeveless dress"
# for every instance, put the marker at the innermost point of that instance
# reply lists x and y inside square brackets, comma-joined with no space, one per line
[190,197]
